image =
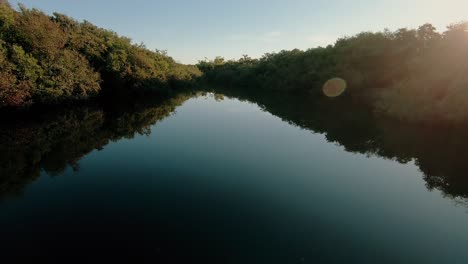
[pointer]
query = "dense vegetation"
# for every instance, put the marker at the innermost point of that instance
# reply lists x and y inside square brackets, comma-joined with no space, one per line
[51,59]
[413,74]
[410,74]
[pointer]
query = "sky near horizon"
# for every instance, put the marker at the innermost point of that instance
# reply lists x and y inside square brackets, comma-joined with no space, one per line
[192,30]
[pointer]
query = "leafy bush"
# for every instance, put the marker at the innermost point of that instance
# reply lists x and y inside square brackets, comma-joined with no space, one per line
[412,74]
[54,59]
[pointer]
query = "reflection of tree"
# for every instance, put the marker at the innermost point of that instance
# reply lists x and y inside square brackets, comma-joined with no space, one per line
[54,141]
[440,152]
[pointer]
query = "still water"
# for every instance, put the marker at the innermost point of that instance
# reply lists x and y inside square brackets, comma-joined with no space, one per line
[221,179]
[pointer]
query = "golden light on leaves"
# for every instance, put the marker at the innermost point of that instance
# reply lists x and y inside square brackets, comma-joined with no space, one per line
[334,87]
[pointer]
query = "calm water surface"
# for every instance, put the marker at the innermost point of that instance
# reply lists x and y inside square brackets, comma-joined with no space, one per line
[215,179]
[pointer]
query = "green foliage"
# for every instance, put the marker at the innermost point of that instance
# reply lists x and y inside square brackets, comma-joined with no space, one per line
[413,74]
[7,19]
[68,77]
[27,67]
[124,65]
[38,34]
[12,92]
[55,59]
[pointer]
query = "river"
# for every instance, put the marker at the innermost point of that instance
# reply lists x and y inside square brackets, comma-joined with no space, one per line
[216,178]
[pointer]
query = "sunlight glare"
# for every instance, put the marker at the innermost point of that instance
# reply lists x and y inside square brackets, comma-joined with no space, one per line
[334,87]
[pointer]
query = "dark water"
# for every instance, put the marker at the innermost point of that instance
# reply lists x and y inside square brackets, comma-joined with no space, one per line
[215,179]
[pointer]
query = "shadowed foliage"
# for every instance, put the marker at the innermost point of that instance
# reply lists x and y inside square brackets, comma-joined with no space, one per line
[410,74]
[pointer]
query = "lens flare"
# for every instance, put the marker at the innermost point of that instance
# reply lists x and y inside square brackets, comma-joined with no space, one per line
[334,87]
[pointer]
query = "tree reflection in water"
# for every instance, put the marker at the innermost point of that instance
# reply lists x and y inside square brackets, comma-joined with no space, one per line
[51,142]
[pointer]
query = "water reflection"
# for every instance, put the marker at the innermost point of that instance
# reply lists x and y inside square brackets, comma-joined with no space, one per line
[440,152]
[53,141]
[222,181]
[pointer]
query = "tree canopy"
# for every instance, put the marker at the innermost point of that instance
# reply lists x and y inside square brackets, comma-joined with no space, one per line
[412,74]
[51,59]
[415,74]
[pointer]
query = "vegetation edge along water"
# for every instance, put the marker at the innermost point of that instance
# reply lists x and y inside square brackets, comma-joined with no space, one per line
[55,59]
[417,75]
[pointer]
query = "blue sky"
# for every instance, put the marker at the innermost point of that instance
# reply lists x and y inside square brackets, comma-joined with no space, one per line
[192,30]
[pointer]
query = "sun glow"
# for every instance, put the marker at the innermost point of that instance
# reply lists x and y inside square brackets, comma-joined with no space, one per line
[334,87]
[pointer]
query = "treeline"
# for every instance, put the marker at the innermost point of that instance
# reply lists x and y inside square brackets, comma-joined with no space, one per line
[52,59]
[412,74]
